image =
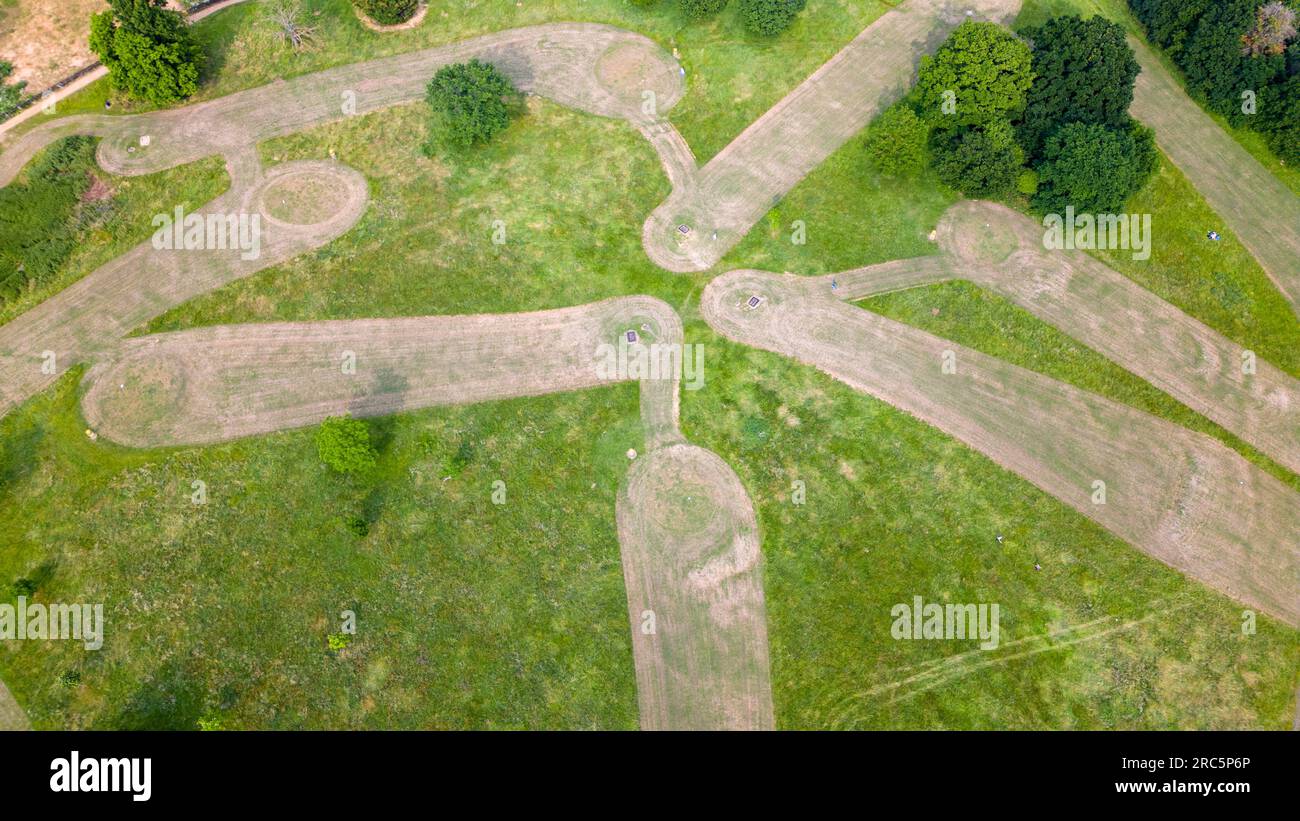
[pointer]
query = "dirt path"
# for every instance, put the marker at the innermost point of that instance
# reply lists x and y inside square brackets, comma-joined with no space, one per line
[89,316]
[734,189]
[225,382]
[1002,250]
[1178,496]
[1261,210]
[594,68]
[12,716]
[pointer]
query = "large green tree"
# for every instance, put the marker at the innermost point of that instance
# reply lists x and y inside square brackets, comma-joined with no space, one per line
[472,103]
[149,50]
[1083,73]
[1217,69]
[1093,168]
[1279,118]
[982,68]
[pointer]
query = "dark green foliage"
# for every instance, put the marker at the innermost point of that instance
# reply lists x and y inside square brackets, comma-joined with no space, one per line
[769,17]
[979,161]
[1169,23]
[895,141]
[699,9]
[343,443]
[149,50]
[1279,118]
[388,12]
[1093,168]
[24,587]
[986,67]
[11,94]
[472,103]
[1217,71]
[37,231]
[1083,72]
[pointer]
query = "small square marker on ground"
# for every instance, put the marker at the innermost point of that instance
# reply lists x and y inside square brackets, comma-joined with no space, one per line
[684,228]
[754,301]
[144,140]
[631,336]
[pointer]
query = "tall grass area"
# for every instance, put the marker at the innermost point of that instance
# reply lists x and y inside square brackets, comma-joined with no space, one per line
[474,615]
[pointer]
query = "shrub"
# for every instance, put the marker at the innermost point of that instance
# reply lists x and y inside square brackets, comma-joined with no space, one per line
[388,12]
[36,216]
[69,678]
[979,161]
[1094,168]
[699,9]
[11,94]
[986,67]
[24,587]
[769,17]
[472,103]
[148,50]
[895,141]
[344,444]
[1027,182]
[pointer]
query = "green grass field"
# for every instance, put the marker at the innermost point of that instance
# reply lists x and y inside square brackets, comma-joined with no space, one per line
[477,615]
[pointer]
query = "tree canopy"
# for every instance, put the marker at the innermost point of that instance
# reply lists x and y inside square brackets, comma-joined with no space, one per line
[986,68]
[472,103]
[1093,168]
[1083,73]
[148,50]
[979,161]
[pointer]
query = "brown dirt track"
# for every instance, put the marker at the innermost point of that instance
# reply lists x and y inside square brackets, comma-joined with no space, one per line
[12,716]
[225,382]
[1126,323]
[1178,496]
[558,61]
[89,316]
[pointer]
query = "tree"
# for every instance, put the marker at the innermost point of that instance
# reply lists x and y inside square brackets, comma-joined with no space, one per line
[1274,26]
[472,103]
[11,94]
[286,17]
[1169,22]
[768,17]
[1094,168]
[148,50]
[343,443]
[895,141]
[388,12]
[699,9]
[1083,72]
[983,68]
[1217,71]
[1279,118]
[979,161]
